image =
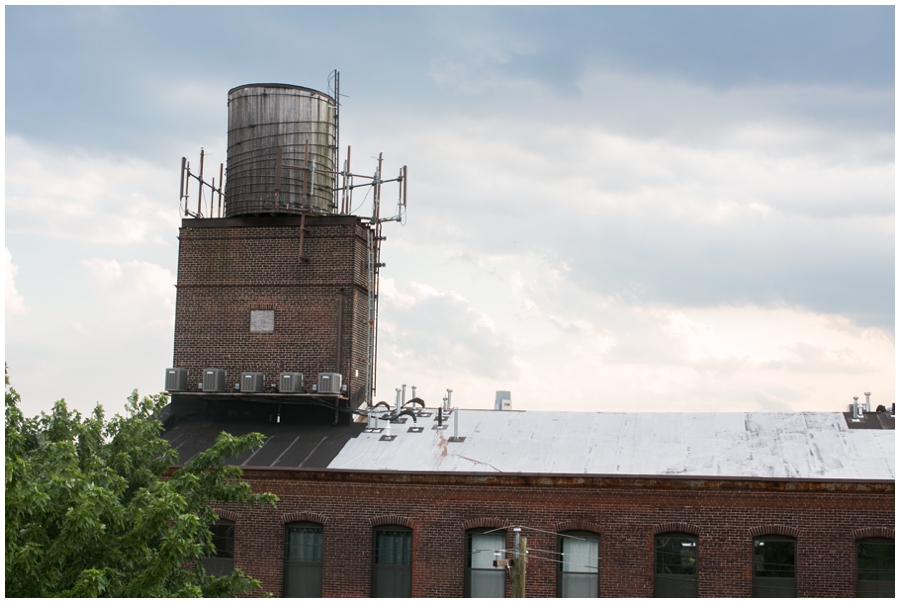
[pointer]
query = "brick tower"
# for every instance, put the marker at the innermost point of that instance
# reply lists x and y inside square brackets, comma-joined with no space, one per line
[285,282]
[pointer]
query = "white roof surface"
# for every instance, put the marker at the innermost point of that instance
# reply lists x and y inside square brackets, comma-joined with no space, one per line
[774,445]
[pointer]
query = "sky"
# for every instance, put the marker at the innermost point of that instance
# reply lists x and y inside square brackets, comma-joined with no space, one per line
[610,208]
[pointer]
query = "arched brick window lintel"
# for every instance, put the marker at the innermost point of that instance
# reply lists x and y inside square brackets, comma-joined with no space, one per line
[304,516]
[392,520]
[879,532]
[578,524]
[677,526]
[226,514]
[775,529]
[485,522]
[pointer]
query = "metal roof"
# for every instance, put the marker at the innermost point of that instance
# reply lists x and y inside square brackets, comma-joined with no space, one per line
[751,445]
[286,446]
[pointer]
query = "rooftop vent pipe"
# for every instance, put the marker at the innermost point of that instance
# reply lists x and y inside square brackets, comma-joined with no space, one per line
[857,410]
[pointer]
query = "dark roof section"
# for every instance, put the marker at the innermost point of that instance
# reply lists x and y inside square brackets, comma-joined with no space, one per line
[305,437]
[870,420]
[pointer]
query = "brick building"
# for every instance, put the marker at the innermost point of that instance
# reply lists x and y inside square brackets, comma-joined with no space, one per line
[657,503]
[611,504]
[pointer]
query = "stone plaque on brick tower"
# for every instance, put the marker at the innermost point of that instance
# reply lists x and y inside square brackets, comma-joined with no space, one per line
[262,321]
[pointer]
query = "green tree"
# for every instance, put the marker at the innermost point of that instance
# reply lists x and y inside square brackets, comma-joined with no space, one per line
[91,509]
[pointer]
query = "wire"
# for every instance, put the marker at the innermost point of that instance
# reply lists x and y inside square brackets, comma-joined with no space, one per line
[564,535]
[363,202]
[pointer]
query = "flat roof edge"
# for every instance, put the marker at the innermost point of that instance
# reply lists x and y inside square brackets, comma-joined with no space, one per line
[671,482]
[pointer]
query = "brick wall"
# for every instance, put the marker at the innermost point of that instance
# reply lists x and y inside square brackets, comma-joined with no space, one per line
[229,267]
[626,513]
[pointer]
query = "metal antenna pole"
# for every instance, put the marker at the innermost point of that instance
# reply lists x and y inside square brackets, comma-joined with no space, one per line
[337,136]
[370,339]
[200,189]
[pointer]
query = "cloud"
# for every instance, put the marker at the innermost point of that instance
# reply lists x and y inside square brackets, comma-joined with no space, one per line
[574,347]
[613,220]
[15,303]
[87,198]
[137,295]
[424,329]
[729,197]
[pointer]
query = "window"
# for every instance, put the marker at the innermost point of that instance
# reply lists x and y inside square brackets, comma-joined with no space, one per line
[482,579]
[302,560]
[579,568]
[392,567]
[774,566]
[222,562]
[875,567]
[676,565]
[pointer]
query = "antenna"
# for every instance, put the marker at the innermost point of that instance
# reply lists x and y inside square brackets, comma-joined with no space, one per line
[184,188]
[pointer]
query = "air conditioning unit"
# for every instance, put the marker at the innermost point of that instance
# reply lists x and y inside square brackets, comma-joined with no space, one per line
[290,383]
[329,383]
[177,379]
[214,379]
[253,382]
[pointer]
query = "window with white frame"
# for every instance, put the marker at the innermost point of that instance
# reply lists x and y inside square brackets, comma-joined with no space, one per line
[579,566]
[482,579]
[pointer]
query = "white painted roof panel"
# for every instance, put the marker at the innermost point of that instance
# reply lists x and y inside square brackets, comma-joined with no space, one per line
[777,445]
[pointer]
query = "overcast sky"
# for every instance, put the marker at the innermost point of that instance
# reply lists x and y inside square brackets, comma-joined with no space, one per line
[612,209]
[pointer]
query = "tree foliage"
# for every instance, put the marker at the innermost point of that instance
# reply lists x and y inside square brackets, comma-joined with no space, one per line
[91,511]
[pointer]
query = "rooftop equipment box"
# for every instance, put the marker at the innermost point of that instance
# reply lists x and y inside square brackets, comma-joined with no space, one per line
[253,382]
[177,379]
[214,380]
[329,383]
[290,383]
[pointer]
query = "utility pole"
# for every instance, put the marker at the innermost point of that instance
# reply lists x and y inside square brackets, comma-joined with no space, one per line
[517,571]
